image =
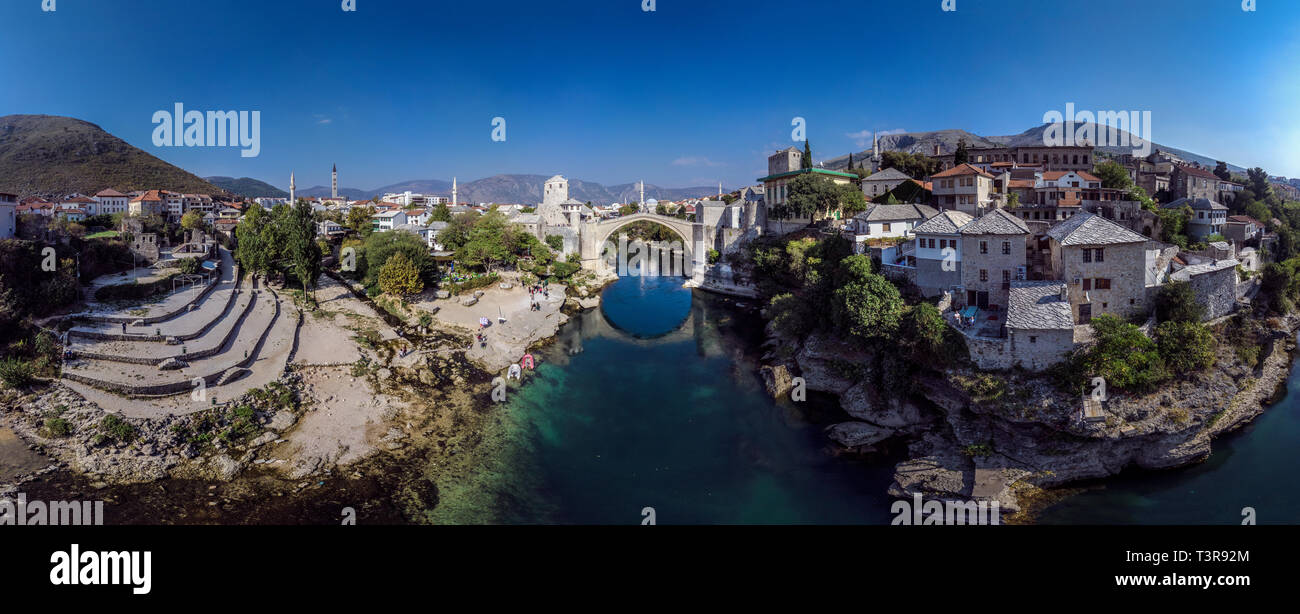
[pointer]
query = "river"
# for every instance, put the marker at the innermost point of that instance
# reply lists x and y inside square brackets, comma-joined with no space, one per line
[653,401]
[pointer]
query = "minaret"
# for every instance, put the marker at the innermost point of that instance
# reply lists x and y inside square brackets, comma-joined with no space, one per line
[642,201]
[453,191]
[293,190]
[334,182]
[719,190]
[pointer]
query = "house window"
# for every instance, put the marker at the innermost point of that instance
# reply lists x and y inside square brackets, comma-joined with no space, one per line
[1087,285]
[1006,247]
[984,247]
[1102,283]
[984,275]
[884,228]
[1087,255]
[943,243]
[1006,276]
[1100,255]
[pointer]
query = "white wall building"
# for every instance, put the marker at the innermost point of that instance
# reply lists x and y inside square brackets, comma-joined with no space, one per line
[111,201]
[8,215]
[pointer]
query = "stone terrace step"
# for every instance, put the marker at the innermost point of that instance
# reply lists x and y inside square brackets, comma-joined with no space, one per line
[147,352]
[145,380]
[172,306]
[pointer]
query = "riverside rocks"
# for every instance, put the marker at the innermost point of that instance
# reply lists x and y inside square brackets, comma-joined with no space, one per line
[1005,435]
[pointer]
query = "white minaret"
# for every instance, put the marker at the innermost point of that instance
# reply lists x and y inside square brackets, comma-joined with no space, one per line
[719,190]
[642,201]
[293,190]
[453,191]
[334,182]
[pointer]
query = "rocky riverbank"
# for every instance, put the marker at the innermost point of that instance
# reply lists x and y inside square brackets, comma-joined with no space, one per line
[1009,436]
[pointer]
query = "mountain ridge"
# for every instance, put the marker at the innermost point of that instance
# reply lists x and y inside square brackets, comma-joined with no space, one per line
[53,156]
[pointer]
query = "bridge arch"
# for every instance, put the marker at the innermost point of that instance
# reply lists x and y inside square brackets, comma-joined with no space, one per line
[691,234]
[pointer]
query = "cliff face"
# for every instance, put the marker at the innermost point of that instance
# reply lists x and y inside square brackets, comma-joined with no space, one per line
[1001,436]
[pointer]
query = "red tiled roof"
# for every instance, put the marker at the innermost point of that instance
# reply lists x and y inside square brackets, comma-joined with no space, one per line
[962,169]
[1244,219]
[109,192]
[151,195]
[1197,172]
[1020,183]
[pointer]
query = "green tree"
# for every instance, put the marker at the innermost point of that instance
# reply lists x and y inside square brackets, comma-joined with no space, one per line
[399,276]
[923,331]
[1112,175]
[250,249]
[1176,302]
[440,213]
[807,155]
[1185,346]
[962,156]
[381,246]
[1122,355]
[490,241]
[555,242]
[359,220]
[813,194]
[868,309]
[191,220]
[302,252]
[1221,171]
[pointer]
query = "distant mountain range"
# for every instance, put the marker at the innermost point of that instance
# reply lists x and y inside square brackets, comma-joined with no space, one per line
[247,187]
[925,142]
[51,157]
[524,189]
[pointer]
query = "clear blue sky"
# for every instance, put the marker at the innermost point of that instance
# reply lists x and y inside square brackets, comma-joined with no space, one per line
[699,91]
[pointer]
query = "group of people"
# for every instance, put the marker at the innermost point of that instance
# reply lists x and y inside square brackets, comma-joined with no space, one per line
[543,289]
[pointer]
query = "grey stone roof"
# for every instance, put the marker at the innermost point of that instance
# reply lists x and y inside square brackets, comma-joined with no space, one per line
[995,222]
[888,174]
[527,218]
[1037,305]
[947,222]
[1186,273]
[1199,203]
[896,213]
[1090,229]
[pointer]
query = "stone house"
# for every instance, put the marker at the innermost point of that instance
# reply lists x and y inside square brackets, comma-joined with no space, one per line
[1242,228]
[879,184]
[1208,216]
[1193,182]
[934,237]
[1102,264]
[993,255]
[887,221]
[1040,324]
[965,188]
[1214,283]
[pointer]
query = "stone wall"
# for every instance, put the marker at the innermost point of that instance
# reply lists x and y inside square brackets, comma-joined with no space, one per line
[990,354]
[994,262]
[1123,264]
[1039,349]
[1217,291]
[932,279]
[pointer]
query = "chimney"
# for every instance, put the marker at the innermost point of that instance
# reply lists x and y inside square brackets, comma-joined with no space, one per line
[1065,293]
[936,150]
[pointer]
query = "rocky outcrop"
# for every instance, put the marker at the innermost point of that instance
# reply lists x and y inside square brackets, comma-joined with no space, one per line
[999,436]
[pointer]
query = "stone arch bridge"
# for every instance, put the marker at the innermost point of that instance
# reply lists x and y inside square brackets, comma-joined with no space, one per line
[694,237]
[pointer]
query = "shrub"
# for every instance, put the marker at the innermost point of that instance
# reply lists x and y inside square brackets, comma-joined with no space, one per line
[58,427]
[1176,302]
[116,428]
[17,373]
[1185,346]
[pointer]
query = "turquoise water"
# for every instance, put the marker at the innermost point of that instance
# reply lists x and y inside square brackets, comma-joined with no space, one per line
[652,401]
[1252,467]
